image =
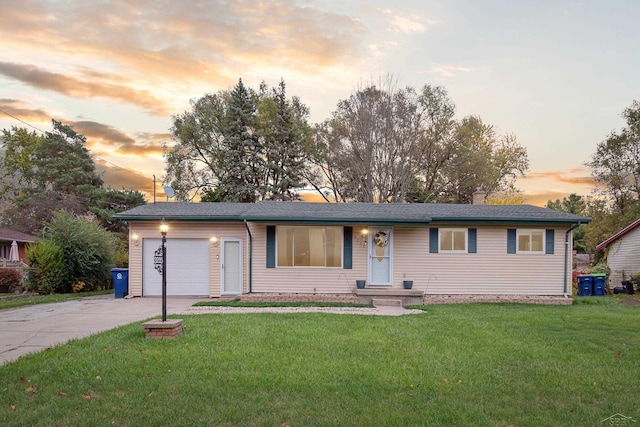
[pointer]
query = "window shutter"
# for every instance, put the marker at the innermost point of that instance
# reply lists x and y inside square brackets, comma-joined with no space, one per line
[511,241]
[550,241]
[472,234]
[433,240]
[271,246]
[347,248]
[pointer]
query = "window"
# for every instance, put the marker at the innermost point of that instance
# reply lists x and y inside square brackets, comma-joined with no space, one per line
[531,241]
[453,240]
[309,246]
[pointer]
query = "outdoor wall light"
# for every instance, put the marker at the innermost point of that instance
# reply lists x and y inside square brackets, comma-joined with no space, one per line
[365,235]
[214,240]
[135,238]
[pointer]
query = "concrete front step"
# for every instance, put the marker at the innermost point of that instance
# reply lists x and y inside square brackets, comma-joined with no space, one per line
[405,296]
[379,302]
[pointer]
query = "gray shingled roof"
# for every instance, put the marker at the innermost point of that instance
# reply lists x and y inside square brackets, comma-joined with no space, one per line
[348,213]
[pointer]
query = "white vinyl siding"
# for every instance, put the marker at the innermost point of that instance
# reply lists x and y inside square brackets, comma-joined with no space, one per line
[307,280]
[489,271]
[187,230]
[624,257]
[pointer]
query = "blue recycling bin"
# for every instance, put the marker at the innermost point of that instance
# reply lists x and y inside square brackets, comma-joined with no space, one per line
[599,284]
[585,285]
[120,278]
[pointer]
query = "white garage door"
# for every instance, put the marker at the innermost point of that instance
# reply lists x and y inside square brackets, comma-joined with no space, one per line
[187,267]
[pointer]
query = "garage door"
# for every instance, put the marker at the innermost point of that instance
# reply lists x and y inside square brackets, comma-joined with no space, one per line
[187,267]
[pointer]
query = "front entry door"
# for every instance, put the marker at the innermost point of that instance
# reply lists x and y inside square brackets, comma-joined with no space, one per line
[380,256]
[231,267]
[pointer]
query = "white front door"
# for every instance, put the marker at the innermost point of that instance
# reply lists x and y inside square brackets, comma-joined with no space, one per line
[231,267]
[380,244]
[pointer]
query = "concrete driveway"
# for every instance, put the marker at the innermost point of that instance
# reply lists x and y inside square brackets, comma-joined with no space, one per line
[34,328]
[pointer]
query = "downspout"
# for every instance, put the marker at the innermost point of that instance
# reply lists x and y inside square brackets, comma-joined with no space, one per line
[566,256]
[250,257]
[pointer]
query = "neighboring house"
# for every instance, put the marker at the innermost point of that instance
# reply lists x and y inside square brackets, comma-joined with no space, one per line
[623,253]
[7,237]
[227,249]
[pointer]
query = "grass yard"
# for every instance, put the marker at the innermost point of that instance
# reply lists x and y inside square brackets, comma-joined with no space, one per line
[458,365]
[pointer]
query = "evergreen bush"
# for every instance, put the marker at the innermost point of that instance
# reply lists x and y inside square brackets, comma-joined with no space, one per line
[48,268]
[89,251]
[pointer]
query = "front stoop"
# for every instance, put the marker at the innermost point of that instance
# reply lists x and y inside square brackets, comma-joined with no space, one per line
[403,296]
[379,302]
[158,329]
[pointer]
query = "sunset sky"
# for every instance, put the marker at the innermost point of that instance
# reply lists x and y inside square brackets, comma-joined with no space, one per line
[557,74]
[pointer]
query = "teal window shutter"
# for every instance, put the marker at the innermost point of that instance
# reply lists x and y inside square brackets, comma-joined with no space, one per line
[550,243]
[433,240]
[271,246]
[472,235]
[511,241]
[347,248]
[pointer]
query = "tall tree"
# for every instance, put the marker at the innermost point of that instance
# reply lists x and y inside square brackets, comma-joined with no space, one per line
[511,196]
[18,160]
[574,204]
[385,144]
[480,159]
[55,172]
[616,163]
[239,145]
[380,138]
[241,165]
[282,123]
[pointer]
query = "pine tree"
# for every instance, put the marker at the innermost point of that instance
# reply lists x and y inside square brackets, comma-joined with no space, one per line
[241,160]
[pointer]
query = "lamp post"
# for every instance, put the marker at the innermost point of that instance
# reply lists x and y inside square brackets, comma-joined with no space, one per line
[163,230]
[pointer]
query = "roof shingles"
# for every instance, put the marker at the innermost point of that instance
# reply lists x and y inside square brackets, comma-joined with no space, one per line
[348,213]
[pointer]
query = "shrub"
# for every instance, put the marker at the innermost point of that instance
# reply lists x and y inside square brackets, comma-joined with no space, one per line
[121,259]
[600,268]
[10,280]
[89,251]
[48,268]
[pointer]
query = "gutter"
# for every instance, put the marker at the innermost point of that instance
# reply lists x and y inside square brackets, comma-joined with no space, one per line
[250,257]
[566,256]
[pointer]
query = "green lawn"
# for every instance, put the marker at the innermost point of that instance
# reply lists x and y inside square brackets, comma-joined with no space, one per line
[459,365]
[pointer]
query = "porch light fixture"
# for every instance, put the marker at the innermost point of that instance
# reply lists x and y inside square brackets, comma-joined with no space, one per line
[214,240]
[135,238]
[164,228]
[365,235]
